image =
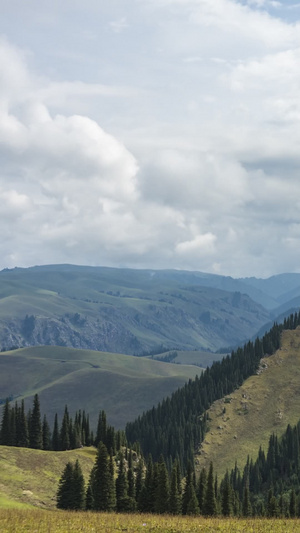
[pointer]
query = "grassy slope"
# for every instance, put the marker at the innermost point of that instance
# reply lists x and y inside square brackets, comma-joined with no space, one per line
[30,477]
[265,403]
[123,385]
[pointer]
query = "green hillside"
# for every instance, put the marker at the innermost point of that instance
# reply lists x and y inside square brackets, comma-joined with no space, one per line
[30,477]
[265,403]
[123,385]
[123,310]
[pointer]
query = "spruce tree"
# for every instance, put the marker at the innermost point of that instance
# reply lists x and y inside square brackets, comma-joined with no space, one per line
[65,431]
[89,499]
[23,437]
[226,496]
[78,487]
[55,435]
[175,505]
[121,486]
[130,478]
[146,494]
[65,493]
[192,506]
[210,505]
[46,434]
[293,507]
[162,492]
[201,489]
[139,481]
[190,503]
[6,431]
[35,434]
[101,434]
[102,481]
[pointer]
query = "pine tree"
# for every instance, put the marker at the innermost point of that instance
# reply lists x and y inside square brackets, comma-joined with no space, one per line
[78,487]
[55,435]
[121,486]
[65,493]
[292,507]
[227,496]
[192,506]
[201,489]
[101,435]
[46,434]
[175,505]
[65,431]
[130,477]
[23,437]
[190,503]
[113,497]
[146,494]
[35,435]
[89,499]
[162,492]
[246,506]
[6,433]
[139,481]
[210,504]
[102,481]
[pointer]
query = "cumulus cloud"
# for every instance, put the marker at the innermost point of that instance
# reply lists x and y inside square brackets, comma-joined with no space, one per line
[178,146]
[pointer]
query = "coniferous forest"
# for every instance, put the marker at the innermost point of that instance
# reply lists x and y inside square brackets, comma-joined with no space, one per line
[150,468]
[176,427]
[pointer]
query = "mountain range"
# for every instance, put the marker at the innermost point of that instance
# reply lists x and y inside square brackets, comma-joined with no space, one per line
[138,312]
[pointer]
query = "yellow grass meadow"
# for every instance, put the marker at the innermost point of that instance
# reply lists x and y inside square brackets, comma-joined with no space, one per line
[41,521]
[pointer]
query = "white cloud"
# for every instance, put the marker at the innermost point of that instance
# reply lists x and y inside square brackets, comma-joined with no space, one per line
[175,144]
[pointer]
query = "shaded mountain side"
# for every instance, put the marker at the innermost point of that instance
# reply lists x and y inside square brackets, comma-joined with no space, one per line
[266,402]
[121,385]
[122,310]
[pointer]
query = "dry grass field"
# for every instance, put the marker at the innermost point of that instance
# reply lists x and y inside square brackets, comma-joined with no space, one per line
[39,521]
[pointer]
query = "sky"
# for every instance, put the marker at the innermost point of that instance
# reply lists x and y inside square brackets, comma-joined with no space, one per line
[151,134]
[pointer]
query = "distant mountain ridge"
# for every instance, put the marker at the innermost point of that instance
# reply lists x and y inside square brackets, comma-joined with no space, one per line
[135,311]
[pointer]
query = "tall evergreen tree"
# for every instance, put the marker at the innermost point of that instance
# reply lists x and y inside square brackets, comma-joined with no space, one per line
[55,435]
[190,503]
[227,507]
[121,486]
[102,481]
[35,434]
[6,433]
[201,489]
[139,481]
[46,434]
[65,431]
[65,493]
[162,492]
[210,504]
[78,487]
[101,434]
[22,431]
[175,505]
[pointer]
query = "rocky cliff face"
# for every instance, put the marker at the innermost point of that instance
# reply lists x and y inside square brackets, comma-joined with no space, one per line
[131,332]
[90,334]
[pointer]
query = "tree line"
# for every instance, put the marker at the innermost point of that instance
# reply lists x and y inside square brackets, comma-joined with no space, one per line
[267,487]
[128,483]
[271,483]
[177,426]
[31,430]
